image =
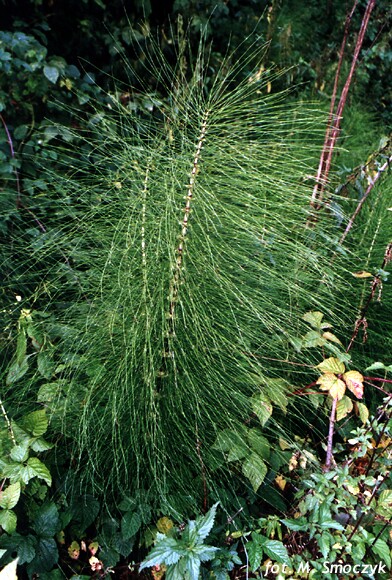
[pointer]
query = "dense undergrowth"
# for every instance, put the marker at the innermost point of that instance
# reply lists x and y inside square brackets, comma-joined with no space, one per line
[186,326]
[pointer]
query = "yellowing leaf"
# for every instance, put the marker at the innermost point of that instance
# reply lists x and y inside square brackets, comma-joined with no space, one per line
[362,274]
[331,337]
[363,412]
[283,444]
[344,407]
[332,365]
[354,382]
[280,482]
[74,551]
[164,525]
[314,318]
[330,382]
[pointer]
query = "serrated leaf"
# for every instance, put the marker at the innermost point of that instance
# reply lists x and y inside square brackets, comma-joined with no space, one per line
[51,73]
[262,408]
[47,521]
[363,412]
[9,497]
[255,470]
[130,525]
[354,382]
[330,382]
[8,521]
[276,551]
[35,423]
[48,392]
[258,443]
[384,503]
[17,371]
[166,551]
[313,318]
[39,445]
[312,339]
[381,549]
[343,408]
[255,555]
[24,546]
[204,524]
[35,468]
[331,365]
[238,451]
[298,525]
[20,453]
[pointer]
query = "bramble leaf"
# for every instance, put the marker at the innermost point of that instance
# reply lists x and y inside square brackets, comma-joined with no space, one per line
[354,382]
[363,412]
[344,407]
[330,382]
[331,365]
[9,497]
[255,470]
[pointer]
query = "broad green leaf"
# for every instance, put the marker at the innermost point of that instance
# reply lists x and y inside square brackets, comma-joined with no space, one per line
[8,521]
[21,347]
[204,524]
[255,470]
[46,556]
[376,367]
[262,407]
[48,392]
[276,390]
[330,382]
[384,503]
[35,468]
[381,549]
[277,551]
[343,408]
[35,423]
[354,382]
[193,566]
[255,555]
[258,443]
[205,553]
[331,365]
[324,544]
[9,497]
[166,551]
[17,371]
[20,453]
[130,525]
[312,339]
[363,412]
[84,509]
[238,451]
[298,525]
[314,318]
[45,365]
[39,445]
[52,73]
[24,546]
[46,520]
[227,439]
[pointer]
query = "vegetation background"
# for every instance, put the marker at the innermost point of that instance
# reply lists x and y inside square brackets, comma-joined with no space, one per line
[68,71]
